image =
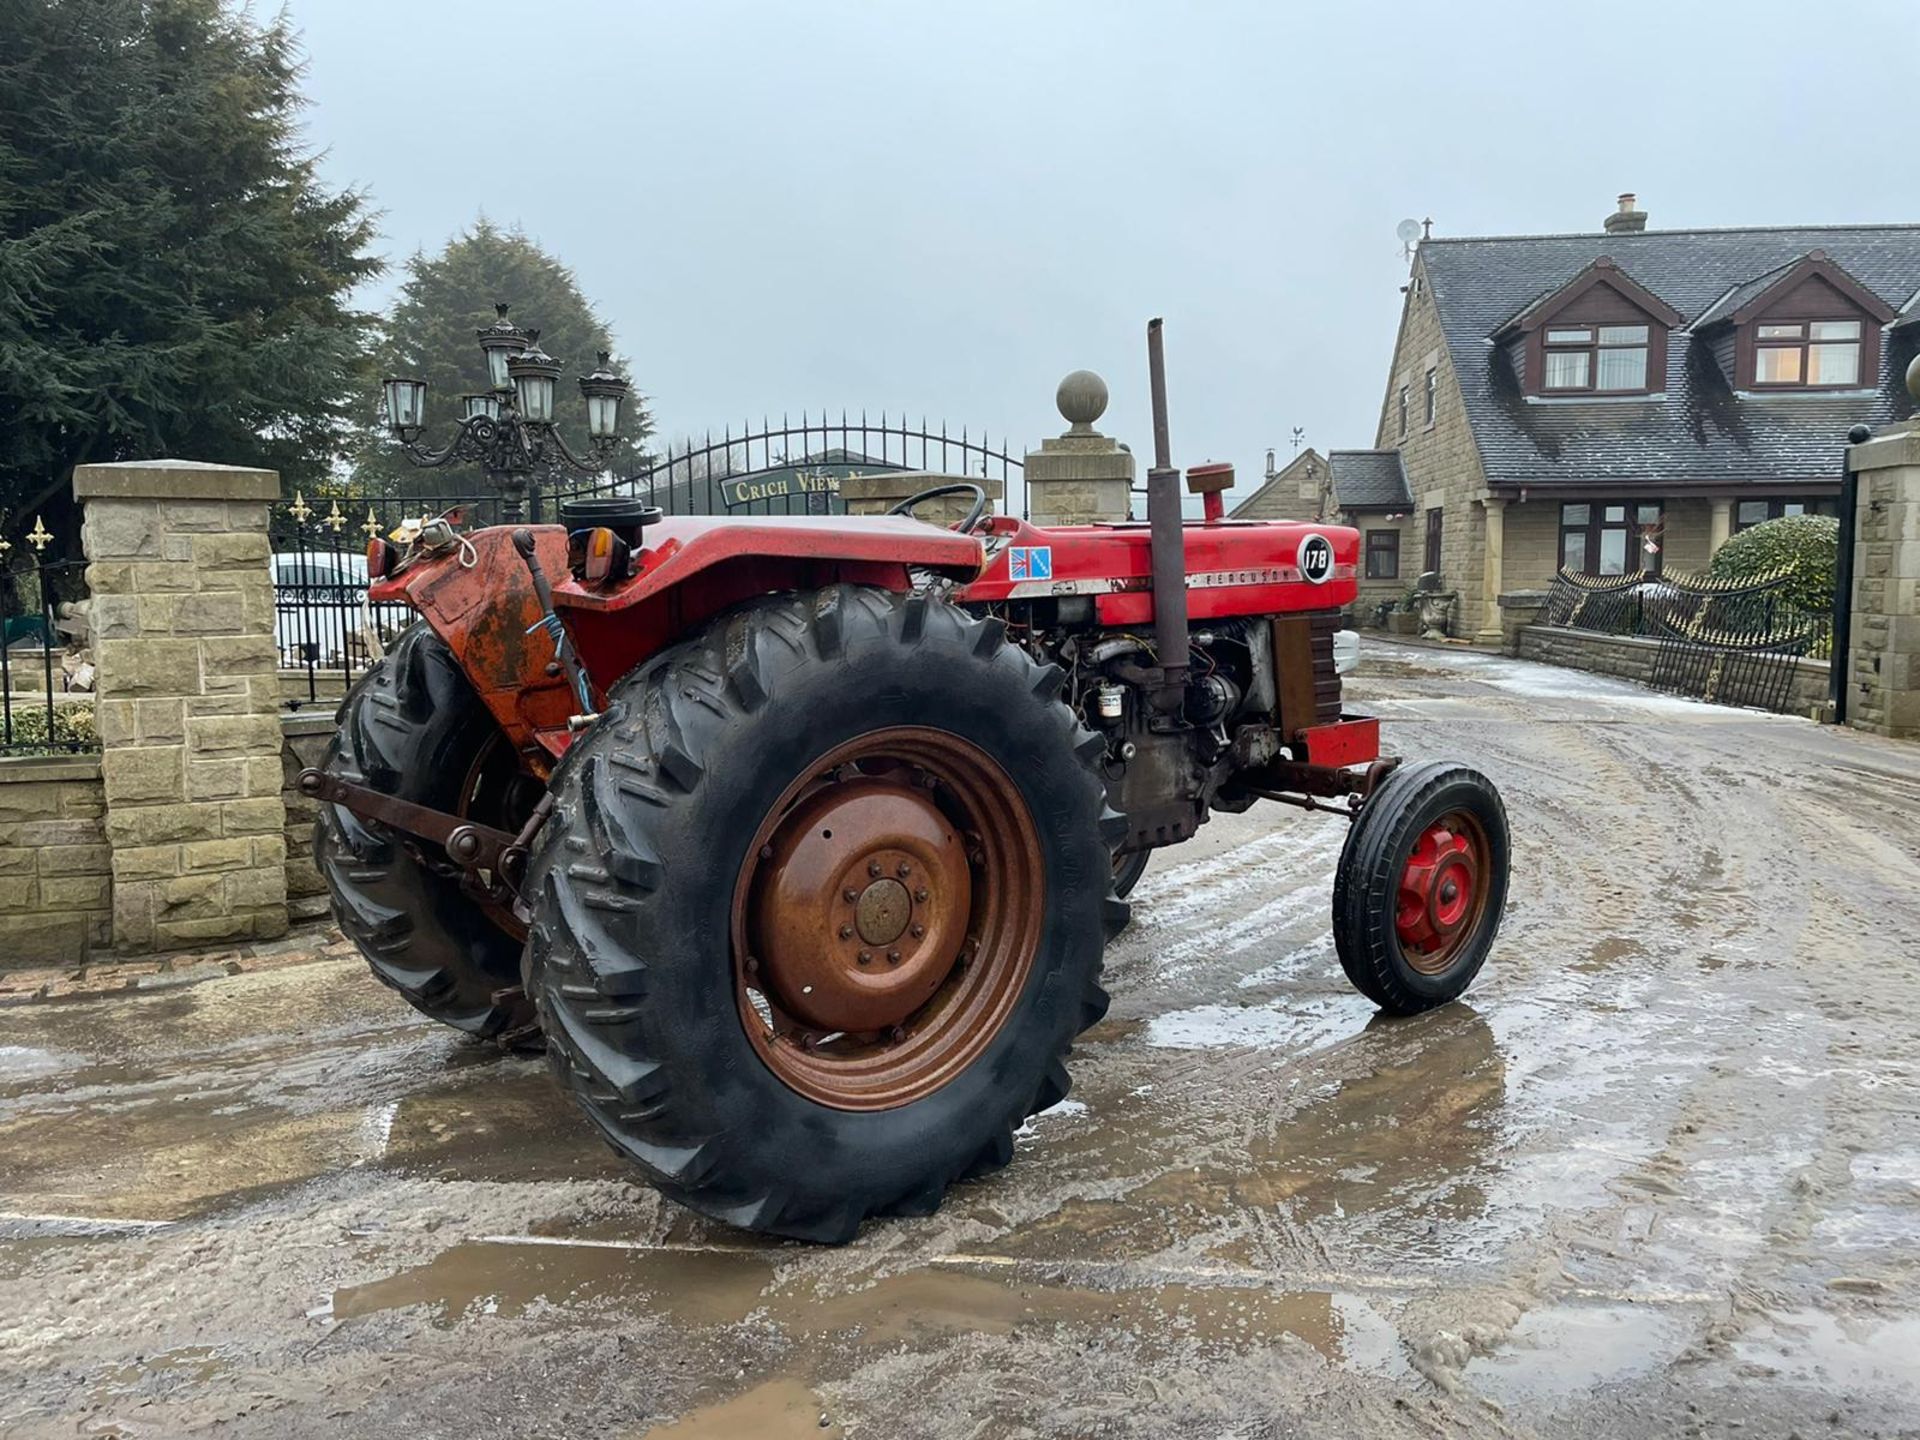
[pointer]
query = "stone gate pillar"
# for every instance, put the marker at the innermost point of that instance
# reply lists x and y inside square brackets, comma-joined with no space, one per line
[1883,670]
[188,708]
[1080,476]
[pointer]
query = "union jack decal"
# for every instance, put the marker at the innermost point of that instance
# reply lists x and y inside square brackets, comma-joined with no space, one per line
[1030,562]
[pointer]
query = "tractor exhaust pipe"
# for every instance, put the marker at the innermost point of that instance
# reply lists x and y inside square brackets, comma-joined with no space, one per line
[1168,542]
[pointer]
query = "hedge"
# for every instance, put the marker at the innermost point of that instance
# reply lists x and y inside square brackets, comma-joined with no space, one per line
[1806,546]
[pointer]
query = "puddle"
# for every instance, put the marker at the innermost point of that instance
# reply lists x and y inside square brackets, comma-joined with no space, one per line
[192,1365]
[1287,1024]
[778,1410]
[1608,951]
[482,1279]
[1567,1350]
[1813,1347]
[24,1062]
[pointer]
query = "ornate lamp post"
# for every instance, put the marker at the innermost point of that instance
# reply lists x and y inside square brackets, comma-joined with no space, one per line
[509,431]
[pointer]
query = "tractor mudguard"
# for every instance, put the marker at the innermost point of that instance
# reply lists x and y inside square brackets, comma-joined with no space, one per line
[691,567]
[479,598]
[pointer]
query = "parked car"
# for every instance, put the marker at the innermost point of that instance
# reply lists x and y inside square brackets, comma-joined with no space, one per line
[319,602]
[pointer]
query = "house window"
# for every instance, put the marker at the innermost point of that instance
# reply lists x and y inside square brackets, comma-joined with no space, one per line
[1810,354]
[1433,393]
[1404,397]
[1607,537]
[1383,554]
[1433,538]
[1749,513]
[1596,358]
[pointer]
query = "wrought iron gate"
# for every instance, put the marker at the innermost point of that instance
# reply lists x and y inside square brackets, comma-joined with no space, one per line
[1730,641]
[325,627]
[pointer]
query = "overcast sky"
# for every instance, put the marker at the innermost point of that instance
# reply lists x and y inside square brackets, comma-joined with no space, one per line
[945,207]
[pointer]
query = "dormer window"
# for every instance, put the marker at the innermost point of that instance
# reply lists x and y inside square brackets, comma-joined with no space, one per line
[1601,359]
[1803,325]
[1600,333]
[1808,353]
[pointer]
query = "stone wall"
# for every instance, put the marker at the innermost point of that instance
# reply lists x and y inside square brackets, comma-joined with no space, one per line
[56,880]
[1630,657]
[1687,542]
[306,738]
[1372,592]
[1442,461]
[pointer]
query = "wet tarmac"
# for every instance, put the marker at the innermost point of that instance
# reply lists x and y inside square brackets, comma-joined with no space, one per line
[1658,1175]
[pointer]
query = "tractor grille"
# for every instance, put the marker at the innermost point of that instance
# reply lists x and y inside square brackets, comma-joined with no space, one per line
[1307,685]
[1326,680]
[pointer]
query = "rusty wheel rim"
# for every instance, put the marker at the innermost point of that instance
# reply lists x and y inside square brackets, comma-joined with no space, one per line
[1443,892]
[496,791]
[886,918]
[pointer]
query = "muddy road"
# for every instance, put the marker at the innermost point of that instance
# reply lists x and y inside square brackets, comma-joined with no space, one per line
[1658,1175]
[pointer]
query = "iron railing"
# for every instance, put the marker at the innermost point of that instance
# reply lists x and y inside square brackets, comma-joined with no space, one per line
[328,634]
[789,469]
[1733,641]
[46,704]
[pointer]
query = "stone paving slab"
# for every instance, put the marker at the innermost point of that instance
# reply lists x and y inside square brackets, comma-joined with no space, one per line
[301,947]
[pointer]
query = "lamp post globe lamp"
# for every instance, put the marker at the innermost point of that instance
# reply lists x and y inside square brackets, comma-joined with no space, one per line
[510,431]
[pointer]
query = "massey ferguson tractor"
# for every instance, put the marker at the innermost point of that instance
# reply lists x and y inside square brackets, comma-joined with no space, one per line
[799,839]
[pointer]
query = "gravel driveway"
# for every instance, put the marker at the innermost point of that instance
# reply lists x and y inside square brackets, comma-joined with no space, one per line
[1658,1174]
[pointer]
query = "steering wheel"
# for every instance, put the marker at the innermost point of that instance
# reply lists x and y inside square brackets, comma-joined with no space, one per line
[979,493]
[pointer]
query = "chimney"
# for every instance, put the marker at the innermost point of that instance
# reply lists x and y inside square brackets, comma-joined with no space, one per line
[1626,220]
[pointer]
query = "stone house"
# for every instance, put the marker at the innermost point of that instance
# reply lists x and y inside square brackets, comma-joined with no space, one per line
[1627,398]
[1297,492]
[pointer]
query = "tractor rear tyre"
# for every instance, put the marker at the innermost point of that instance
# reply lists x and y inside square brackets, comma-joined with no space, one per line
[1421,886]
[821,907]
[412,727]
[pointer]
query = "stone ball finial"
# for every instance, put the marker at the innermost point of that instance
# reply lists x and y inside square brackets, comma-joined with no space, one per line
[1082,398]
[1913,379]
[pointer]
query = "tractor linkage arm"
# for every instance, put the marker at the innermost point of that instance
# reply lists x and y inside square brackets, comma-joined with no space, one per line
[474,848]
[1307,785]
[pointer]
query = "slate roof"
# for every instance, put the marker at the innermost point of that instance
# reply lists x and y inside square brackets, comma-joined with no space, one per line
[1700,431]
[1368,480]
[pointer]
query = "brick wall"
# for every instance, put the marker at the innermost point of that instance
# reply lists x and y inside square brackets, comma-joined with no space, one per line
[56,882]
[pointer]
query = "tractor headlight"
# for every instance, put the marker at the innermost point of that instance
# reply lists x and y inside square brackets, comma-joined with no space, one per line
[598,556]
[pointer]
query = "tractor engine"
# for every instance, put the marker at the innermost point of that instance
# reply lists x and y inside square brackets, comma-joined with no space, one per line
[1166,771]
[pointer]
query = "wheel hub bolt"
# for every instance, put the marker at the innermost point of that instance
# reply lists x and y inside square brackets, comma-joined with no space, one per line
[920,894]
[865,957]
[873,868]
[1448,891]
[849,895]
[846,932]
[904,870]
[766,852]
[753,966]
[919,931]
[893,957]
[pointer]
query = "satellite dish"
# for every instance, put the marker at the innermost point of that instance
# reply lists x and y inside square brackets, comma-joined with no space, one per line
[1407,231]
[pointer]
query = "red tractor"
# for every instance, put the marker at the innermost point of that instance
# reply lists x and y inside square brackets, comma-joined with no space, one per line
[799,840]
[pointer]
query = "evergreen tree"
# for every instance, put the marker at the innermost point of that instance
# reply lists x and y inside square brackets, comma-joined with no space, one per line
[175,279]
[430,336]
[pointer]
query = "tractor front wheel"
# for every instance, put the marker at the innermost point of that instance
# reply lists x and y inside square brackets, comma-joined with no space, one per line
[1421,885]
[821,907]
